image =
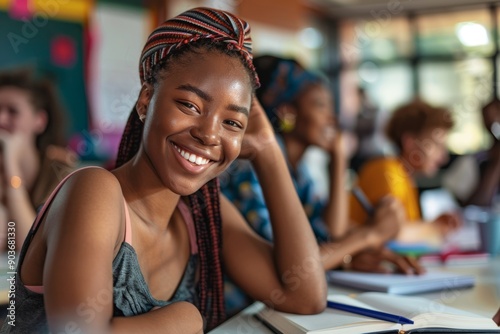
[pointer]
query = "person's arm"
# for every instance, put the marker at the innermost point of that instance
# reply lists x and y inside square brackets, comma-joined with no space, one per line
[86,227]
[432,232]
[335,214]
[489,180]
[382,227]
[16,196]
[287,275]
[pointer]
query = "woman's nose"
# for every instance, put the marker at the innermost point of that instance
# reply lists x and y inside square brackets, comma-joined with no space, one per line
[207,131]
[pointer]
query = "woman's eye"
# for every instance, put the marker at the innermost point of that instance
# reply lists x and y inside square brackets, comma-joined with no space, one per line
[234,124]
[190,106]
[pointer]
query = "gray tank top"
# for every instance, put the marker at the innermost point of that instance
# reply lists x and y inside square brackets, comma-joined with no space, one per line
[131,295]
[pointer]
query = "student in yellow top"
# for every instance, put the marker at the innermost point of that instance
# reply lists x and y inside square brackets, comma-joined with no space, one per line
[419,132]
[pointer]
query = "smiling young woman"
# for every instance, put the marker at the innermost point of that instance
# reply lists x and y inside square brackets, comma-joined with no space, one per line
[140,248]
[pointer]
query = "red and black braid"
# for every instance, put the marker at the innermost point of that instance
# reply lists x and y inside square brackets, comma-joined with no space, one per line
[131,139]
[205,208]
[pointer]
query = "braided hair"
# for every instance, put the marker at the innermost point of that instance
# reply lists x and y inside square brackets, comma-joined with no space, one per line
[205,206]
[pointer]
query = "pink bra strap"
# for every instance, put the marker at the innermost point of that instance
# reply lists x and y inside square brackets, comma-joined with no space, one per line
[188,218]
[39,288]
[128,225]
[128,239]
[35,288]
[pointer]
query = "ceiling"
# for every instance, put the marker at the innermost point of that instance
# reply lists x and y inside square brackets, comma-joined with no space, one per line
[343,8]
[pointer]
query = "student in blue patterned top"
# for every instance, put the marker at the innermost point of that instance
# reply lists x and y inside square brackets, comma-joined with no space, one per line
[300,107]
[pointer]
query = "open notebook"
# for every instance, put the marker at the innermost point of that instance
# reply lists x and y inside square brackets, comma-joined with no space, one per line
[428,316]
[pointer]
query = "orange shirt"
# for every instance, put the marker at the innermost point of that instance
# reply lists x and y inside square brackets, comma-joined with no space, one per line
[381,177]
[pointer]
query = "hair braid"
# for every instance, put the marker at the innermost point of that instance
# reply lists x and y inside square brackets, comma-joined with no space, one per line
[206,215]
[131,139]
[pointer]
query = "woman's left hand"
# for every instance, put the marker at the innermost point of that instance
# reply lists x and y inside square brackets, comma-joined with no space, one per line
[385,261]
[448,222]
[259,132]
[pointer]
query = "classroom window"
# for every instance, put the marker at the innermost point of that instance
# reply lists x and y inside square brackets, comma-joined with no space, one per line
[381,38]
[444,58]
[464,87]
[457,33]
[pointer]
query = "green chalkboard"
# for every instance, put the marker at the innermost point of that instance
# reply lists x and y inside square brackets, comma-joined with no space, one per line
[55,49]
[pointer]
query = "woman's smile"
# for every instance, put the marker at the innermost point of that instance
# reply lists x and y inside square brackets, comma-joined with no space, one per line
[191,162]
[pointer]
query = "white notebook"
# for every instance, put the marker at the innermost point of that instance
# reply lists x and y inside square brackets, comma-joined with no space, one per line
[428,317]
[400,284]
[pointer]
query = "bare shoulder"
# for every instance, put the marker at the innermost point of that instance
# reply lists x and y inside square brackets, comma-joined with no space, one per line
[92,181]
[90,199]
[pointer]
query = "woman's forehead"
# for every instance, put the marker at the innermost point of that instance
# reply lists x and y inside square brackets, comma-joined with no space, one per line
[216,67]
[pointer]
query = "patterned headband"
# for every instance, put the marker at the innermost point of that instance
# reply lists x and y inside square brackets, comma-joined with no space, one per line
[190,26]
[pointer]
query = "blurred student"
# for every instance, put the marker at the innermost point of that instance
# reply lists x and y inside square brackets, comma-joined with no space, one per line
[419,132]
[368,129]
[479,173]
[145,240]
[33,158]
[300,106]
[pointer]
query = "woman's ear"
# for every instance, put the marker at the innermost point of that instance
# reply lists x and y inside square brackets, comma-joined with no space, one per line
[143,101]
[407,142]
[41,121]
[287,115]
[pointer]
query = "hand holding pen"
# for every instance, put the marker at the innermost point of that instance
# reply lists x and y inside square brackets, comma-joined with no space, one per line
[384,219]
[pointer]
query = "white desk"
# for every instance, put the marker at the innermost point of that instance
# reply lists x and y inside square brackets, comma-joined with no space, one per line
[483,298]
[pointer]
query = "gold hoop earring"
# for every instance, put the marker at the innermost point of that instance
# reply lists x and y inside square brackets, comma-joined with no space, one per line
[287,123]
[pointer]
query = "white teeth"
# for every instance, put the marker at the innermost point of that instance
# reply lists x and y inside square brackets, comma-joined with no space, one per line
[192,157]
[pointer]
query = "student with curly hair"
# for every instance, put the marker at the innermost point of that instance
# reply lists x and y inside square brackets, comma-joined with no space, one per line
[419,132]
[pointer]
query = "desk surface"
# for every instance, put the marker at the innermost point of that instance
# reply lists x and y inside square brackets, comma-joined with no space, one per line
[483,298]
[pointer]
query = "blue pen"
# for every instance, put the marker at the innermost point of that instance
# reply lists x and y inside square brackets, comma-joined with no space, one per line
[370,313]
[363,200]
